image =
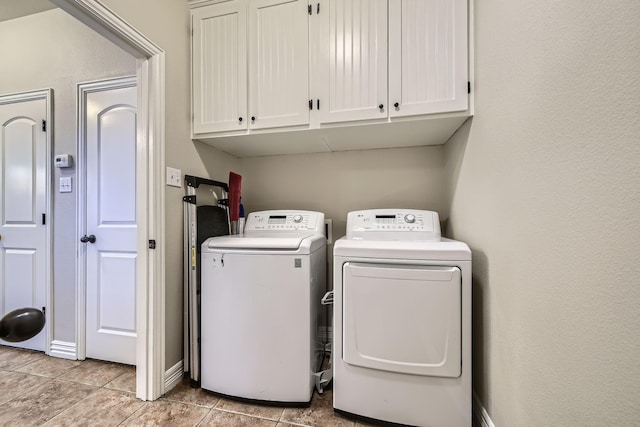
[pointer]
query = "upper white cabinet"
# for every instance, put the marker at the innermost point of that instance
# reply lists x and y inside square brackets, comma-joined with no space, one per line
[351,62]
[292,76]
[250,62]
[278,63]
[219,67]
[427,56]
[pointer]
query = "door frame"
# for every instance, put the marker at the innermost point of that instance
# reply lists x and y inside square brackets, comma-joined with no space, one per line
[150,274]
[81,284]
[47,95]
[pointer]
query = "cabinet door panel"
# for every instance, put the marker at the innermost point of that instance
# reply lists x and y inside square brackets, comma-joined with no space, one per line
[353,60]
[427,56]
[278,63]
[219,67]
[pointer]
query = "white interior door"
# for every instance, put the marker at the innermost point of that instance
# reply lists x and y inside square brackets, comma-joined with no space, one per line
[111,229]
[24,250]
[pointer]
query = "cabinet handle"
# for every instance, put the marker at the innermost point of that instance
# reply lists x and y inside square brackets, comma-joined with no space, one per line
[240,119]
[253,118]
[396,105]
[381,106]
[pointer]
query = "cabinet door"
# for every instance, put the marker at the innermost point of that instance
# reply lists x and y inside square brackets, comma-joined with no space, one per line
[427,56]
[353,60]
[219,67]
[278,63]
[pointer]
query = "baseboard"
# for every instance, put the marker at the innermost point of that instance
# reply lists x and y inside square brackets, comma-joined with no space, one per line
[63,350]
[173,376]
[480,415]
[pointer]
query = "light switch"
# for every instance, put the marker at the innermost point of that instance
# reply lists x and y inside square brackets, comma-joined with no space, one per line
[174,177]
[65,184]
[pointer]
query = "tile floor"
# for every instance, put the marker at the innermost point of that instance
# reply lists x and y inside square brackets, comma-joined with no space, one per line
[38,390]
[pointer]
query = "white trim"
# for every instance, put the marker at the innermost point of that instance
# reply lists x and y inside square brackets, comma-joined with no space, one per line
[83,89]
[150,356]
[47,95]
[480,414]
[64,350]
[173,376]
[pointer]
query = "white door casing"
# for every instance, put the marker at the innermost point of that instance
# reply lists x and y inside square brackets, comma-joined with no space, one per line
[150,295]
[25,251]
[108,148]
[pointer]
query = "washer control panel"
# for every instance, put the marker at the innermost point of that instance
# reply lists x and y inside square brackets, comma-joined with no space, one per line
[393,224]
[285,221]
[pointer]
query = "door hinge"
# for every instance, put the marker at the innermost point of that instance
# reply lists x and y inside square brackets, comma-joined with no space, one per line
[44,126]
[468,87]
[311,104]
[309,9]
[152,244]
[44,219]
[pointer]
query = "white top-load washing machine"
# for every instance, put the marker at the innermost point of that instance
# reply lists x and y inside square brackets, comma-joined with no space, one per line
[260,303]
[402,320]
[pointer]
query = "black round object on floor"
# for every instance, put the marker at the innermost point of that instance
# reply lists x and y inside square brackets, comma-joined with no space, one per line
[21,324]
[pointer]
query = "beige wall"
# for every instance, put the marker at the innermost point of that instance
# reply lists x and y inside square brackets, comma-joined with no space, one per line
[167,23]
[336,183]
[544,185]
[53,50]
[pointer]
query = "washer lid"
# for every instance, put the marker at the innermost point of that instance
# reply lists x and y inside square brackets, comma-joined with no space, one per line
[240,242]
[265,244]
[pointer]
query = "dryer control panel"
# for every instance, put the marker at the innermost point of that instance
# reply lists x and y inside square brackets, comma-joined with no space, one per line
[393,224]
[285,221]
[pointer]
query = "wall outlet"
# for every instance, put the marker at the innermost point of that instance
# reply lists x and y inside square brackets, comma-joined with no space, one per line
[174,177]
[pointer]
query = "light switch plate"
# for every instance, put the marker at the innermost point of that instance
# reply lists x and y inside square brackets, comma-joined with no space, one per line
[174,177]
[65,184]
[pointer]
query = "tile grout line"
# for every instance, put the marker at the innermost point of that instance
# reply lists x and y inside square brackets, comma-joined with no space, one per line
[72,405]
[144,404]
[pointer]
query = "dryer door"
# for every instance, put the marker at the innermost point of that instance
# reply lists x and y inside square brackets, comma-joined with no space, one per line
[402,318]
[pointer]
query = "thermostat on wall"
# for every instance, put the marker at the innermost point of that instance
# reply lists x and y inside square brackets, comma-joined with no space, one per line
[63,160]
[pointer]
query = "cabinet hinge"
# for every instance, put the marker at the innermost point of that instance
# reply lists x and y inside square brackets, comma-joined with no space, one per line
[44,219]
[152,244]
[309,9]
[311,104]
[318,10]
[44,126]
[468,87]
[318,104]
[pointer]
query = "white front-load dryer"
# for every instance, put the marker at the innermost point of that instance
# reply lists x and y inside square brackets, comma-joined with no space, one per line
[260,303]
[402,320]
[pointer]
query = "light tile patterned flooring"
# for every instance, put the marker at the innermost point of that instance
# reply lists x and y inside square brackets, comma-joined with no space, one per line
[38,390]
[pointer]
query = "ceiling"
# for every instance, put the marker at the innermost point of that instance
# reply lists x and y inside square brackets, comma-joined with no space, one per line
[10,9]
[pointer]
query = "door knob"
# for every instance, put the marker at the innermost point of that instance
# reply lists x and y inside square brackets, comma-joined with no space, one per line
[91,239]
